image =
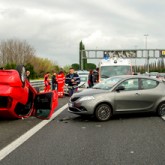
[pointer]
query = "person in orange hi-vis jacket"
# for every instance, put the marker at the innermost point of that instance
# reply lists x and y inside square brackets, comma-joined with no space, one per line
[60,78]
[47,82]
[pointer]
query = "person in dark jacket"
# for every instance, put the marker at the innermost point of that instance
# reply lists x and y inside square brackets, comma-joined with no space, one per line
[90,79]
[54,82]
[72,79]
[96,75]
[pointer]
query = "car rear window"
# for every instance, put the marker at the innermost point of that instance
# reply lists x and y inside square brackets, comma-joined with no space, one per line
[148,84]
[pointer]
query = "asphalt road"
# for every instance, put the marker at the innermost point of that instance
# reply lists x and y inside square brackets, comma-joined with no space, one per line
[73,140]
[12,129]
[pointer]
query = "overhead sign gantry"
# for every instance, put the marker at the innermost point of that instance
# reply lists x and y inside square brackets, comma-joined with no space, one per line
[122,53]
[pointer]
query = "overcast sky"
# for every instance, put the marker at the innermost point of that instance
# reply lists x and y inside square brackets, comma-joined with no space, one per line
[56,27]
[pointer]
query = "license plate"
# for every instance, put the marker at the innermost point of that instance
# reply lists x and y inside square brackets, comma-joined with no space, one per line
[70,104]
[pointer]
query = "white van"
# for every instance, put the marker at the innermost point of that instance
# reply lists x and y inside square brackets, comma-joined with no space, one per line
[114,67]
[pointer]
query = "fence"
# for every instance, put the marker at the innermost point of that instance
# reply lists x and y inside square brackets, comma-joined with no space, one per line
[38,84]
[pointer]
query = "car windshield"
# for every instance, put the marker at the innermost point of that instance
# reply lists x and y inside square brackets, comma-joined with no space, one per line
[109,71]
[107,83]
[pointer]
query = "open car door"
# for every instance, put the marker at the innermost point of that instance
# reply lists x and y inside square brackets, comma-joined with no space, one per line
[45,104]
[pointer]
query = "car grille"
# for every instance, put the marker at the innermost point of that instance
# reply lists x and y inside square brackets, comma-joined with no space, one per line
[73,109]
[74,99]
[80,109]
[4,101]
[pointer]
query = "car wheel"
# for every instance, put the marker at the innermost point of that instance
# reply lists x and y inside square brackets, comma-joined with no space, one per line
[22,73]
[103,112]
[161,109]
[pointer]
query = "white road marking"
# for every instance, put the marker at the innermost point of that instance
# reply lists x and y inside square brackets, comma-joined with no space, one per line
[13,145]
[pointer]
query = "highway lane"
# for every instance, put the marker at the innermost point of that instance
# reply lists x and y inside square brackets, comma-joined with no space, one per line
[12,129]
[71,140]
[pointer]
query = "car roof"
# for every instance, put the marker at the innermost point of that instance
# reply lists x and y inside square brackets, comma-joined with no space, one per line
[138,76]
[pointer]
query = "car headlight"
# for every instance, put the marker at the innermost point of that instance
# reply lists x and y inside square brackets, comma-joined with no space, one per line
[85,98]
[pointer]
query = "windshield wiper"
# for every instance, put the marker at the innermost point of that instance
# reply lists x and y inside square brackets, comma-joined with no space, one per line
[104,76]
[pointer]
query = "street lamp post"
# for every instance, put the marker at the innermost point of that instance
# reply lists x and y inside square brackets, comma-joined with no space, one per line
[147,52]
[135,59]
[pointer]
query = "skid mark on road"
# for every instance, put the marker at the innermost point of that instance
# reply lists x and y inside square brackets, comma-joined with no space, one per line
[12,146]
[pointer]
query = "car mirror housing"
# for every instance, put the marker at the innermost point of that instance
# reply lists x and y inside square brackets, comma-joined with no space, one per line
[119,88]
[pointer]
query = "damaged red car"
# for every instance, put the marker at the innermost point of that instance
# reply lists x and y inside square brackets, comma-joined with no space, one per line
[18,99]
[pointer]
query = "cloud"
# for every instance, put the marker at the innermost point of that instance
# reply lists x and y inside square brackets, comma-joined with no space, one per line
[55,28]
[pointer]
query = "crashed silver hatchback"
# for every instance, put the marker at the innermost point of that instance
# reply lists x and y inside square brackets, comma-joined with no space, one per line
[118,95]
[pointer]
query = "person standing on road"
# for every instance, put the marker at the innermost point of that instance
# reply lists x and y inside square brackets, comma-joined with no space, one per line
[90,79]
[96,76]
[60,78]
[54,82]
[72,79]
[47,82]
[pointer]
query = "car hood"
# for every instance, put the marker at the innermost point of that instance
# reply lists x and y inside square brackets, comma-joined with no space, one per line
[89,92]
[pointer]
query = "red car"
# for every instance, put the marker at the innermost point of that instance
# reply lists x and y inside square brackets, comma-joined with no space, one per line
[18,99]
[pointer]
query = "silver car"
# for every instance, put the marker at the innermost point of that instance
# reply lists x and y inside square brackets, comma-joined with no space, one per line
[120,94]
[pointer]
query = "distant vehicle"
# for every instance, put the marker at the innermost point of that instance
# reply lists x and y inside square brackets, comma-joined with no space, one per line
[113,67]
[84,81]
[18,99]
[161,76]
[118,95]
[82,72]
[154,74]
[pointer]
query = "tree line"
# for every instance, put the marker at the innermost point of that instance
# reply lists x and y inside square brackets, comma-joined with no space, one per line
[15,52]
[157,66]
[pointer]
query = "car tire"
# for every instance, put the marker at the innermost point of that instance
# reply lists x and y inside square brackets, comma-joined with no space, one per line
[103,112]
[22,73]
[161,109]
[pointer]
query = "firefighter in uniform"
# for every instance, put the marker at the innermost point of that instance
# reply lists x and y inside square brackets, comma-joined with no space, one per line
[60,78]
[47,82]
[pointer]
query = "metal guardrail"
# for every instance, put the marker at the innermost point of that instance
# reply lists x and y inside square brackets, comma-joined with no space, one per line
[38,84]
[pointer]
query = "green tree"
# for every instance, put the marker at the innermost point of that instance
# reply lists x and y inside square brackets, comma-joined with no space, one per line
[90,66]
[10,66]
[75,66]
[30,68]
[82,54]
[56,68]
[66,68]
[41,65]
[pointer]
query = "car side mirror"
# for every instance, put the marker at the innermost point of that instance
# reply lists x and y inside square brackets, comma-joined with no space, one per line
[120,88]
